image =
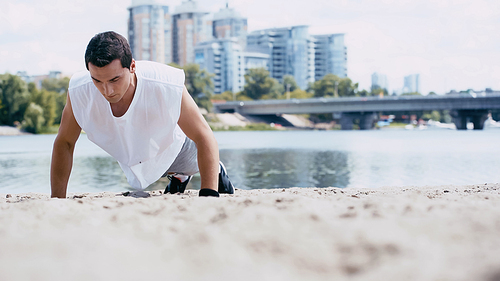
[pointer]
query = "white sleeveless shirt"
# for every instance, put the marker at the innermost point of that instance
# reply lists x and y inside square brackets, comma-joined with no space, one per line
[146,139]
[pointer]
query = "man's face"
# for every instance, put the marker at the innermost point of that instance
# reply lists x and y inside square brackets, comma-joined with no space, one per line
[112,80]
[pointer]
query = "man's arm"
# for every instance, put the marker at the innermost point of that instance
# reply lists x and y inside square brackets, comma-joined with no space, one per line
[62,153]
[196,128]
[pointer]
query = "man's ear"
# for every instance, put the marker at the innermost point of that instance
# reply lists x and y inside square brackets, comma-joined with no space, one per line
[132,66]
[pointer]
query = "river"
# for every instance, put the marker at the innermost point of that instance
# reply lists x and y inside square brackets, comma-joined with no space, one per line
[280,159]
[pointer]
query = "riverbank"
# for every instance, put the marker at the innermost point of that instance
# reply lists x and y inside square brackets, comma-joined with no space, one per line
[393,233]
[10,131]
[238,122]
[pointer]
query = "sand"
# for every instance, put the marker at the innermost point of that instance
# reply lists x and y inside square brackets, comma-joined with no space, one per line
[393,233]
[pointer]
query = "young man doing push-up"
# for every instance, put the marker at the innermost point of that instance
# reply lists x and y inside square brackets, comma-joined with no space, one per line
[142,115]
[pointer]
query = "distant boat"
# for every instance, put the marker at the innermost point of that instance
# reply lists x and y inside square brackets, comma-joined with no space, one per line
[409,127]
[491,124]
[431,124]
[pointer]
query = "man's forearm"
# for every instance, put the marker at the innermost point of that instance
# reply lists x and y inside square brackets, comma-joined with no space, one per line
[208,163]
[60,169]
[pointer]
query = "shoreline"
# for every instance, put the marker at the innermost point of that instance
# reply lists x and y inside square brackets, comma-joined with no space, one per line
[11,131]
[391,233]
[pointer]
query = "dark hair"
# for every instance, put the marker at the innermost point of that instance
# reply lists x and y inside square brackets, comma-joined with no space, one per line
[106,47]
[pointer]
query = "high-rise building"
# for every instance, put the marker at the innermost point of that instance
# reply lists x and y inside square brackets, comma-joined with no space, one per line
[149,30]
[190,26]
[256,60]
[228,23]
[412,83]
[379,81]
[330,55]
[291,52]
[224,58]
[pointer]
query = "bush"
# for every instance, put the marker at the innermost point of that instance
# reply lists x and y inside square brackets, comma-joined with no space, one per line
[33,119]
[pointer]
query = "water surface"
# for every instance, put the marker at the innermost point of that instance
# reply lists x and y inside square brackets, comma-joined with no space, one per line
[280,159]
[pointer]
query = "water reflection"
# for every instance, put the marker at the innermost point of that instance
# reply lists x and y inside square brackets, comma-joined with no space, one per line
[248,169]
[21,172]
[100,172]
[271,168]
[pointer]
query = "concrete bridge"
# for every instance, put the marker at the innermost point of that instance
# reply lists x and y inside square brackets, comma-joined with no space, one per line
[463,108]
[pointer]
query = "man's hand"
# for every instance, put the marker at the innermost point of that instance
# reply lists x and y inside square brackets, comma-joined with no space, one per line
[205,192]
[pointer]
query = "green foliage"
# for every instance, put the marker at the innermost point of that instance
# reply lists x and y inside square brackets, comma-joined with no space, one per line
[321,118]
[432,94]
[326,87]
[298,94]
[412,94]
[397,125]
[290,80]
[227,96]
[200,85]
[56,85]
[33,119]
[47,100]
[240,96]
[376,91]
[60,103]
[37,110]
[249,127]
[259,85]
[173,64]
[363,93]
[15,99]
[59,88]
[434,115]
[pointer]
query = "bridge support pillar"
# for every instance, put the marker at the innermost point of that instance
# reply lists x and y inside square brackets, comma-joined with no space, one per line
[366,120]
[477,117]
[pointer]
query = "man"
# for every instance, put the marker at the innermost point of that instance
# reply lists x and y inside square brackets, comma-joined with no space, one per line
[143,116]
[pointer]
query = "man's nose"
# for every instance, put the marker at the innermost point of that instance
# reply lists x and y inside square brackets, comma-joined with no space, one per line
[108,89]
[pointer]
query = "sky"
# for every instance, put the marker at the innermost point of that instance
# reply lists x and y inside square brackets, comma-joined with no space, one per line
[452,44]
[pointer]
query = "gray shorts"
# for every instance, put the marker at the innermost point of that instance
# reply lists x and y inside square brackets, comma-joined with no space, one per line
[186,162]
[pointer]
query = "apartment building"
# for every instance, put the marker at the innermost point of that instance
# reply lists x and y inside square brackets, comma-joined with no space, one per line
[150,30]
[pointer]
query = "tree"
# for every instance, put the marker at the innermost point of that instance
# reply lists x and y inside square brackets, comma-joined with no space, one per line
[33,119]
[199,84]
[14,97]
[290,80]
[376,91]
[47,100]
[227,96]
[56,85]
[230,96]
[60,87]
[412,94]
[363,93]
[258,84]
[298,94]
[173,64]
[333,86]
[347,88]
[60,103]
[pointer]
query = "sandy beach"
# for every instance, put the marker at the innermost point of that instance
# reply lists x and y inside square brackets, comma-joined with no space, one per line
[393,233]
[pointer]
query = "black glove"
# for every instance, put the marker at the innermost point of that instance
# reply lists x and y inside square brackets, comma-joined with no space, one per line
[208,192]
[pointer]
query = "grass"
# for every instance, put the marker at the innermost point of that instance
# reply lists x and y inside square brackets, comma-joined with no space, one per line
[397,125]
